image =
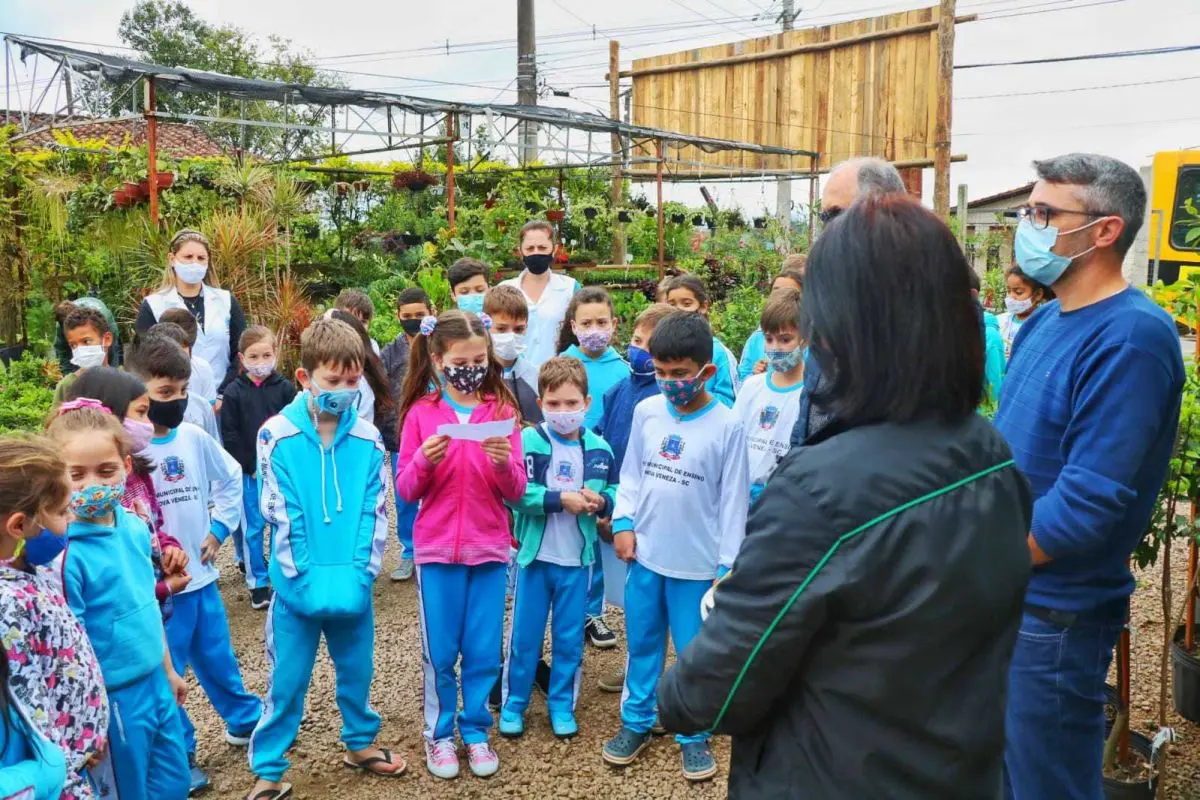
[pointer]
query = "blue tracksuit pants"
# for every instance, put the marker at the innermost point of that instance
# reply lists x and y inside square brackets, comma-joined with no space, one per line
[462,613]
[146,741]
[595,598]
[291,651]
[653,604]
[252,546]
[406,515]
[543,589]
[198,637]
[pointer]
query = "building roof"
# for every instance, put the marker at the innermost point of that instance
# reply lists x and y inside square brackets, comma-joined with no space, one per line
[176,140]
[995,198]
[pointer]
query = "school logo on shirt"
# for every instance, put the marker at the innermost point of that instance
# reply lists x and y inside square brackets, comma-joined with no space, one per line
[172,469]
[264,436]
[672,447]
[564,472]
[767,417]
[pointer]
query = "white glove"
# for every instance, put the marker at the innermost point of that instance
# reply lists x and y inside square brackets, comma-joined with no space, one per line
[707,602]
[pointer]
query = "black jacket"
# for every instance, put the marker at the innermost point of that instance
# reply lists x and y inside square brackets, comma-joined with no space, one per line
[244,410]
[395,363]
[531,412]
[860,646]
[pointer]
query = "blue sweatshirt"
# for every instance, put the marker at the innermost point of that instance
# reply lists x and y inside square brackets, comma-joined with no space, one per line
[603,373]
[325,508]
[30,767]
[619,403]
[724,384]
[109,583]
[1090,408]
[753,351]
[993,356]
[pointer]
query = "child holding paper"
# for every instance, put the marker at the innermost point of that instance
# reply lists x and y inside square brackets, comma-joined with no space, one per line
[461,534]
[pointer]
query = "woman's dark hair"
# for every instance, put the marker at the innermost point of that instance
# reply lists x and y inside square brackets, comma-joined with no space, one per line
[690,282]
[116,389]
[1017,272]
[889,316]
[590,294]
[373,369]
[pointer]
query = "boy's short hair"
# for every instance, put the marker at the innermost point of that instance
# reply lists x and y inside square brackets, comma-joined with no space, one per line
[782,311]
[562,370]
[414,294]
[535,225]
[253,335]
[464,269]
[154,354]
[357,302]
[330,342]
[172,331]
[682,335]
[62,310]
[184,319]
[81,316]
[508,301]
[652,315]
[796,262]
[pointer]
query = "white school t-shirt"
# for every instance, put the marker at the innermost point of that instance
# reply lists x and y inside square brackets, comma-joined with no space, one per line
[562,541]
[768,415]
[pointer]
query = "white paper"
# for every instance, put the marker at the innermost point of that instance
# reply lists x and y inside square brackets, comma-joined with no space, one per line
[477,431]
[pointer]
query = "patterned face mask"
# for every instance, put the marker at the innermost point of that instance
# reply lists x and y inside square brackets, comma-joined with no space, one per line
[785,360]
[594,341]
[97,500]
[683,391]
[467,378]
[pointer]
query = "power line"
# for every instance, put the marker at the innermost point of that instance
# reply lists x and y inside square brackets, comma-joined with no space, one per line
[1150,51]
[1077,89]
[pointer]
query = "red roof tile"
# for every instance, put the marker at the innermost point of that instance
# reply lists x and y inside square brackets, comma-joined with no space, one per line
[176,140]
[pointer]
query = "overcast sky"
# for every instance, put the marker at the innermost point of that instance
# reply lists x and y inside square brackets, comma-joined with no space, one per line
[1000,135]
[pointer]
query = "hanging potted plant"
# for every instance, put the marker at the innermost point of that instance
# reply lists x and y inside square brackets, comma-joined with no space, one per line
[342,188]
[165,179]
[650,212]
[678,218]
[362,185]
[134,191]
[590,212]
[624,216]
[414,180]
[760,223]
[698,220]
[532,207]
[555,214]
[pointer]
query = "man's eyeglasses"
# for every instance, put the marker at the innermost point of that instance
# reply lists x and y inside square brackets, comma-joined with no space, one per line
[1039,215]
[828,215]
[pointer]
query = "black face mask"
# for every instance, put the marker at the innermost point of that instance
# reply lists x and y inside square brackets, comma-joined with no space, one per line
[538,262]
[167,413]
[411,326]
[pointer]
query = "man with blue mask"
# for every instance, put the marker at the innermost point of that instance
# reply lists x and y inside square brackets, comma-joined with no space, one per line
[1090,409]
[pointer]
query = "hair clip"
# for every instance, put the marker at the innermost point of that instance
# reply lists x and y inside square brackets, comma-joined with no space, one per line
[428,324]
[485,320]
[82,402]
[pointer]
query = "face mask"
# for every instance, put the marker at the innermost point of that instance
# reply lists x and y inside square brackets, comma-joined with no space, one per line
[411,326]
[43,547]
[334,402]
[167,413]
[508,346]
[97,500]
[191,274]
[470,302]
[640,361]
[468,378]
[594,341]
[1032,248]
[1018,307]
[261,371]
[564,423]
[681,392]
[538,263]
[140,433]
[785,360]
[87,356]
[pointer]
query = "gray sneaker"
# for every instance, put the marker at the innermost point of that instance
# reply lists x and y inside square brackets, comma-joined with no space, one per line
[404,571]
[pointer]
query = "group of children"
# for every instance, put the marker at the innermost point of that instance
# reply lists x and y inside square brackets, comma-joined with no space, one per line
[643,463]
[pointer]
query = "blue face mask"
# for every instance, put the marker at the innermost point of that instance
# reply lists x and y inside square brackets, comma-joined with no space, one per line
[640,361]
[470,302]
[44,548]
[335,402]
[1033,249]
[785,360]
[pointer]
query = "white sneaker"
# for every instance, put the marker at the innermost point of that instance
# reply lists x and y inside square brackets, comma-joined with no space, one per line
[483,759]
[441,758]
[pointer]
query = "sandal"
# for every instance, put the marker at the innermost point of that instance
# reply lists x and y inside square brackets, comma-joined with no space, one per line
[368,765]
[272,794]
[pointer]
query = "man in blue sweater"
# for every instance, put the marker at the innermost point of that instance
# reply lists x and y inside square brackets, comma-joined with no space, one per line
[1090,408]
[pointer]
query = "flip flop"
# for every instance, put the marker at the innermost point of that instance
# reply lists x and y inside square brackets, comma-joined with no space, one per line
[272,794]
[367,765]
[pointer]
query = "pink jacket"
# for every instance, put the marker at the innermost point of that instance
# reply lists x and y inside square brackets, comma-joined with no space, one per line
[462,519]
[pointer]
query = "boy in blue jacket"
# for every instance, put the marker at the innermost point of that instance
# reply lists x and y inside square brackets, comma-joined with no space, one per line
[323,474]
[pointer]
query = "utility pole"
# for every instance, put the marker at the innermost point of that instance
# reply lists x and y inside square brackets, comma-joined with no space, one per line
[527,76]
[942,116]
[783,194]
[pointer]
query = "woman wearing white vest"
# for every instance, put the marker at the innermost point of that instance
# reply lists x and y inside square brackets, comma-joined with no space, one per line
[218,314]
[546,293]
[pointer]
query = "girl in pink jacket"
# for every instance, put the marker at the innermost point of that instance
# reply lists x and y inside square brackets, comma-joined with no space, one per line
[461,535]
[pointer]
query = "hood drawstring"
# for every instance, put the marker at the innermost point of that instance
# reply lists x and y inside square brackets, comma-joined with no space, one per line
[337,488]
[324,507]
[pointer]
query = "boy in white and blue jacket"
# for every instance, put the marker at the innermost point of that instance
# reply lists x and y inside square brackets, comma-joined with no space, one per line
[569,470]
[323,473]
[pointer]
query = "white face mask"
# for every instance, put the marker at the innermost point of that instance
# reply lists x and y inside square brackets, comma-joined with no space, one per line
[261,371]
[87,356]
[508,346]
[564,423]
[191,274]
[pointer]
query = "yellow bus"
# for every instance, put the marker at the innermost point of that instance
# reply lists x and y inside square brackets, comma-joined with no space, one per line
[1173,218]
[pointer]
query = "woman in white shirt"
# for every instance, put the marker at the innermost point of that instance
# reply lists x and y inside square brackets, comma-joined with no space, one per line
[546,292]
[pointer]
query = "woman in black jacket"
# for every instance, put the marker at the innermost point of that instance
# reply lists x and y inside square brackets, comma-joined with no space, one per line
[860,646]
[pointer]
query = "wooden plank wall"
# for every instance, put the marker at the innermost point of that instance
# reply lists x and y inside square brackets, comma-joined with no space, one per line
[871,98]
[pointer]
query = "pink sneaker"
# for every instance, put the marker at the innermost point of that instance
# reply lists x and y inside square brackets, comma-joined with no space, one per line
[483,759]
[441,758]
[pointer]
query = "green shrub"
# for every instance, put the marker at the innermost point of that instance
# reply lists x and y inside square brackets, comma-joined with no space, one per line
[26,393]
[734,321]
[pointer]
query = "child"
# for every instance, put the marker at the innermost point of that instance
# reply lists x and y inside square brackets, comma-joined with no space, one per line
[754,357]
[30,767]
[194,473]
[109,585]
[62,351]
[412,306]
[546,293]
[468,284]
[587,335]
[199,411]
[202,383]
[461,534]
[89,338]
[323,478]
[994,361]
[51,669]
[569,473]
[510,321]
[1024,296]
[679,520]
[257,394]
[769,404]
[358,304]
[687,293]
[374,393]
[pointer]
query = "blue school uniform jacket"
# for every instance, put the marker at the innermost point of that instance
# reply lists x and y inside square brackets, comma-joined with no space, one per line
[603,373]
[30,767]
[325,508]
[619,403]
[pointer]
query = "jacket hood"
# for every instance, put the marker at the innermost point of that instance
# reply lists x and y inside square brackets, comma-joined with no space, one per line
[990,320]
[638,379]
[609,356]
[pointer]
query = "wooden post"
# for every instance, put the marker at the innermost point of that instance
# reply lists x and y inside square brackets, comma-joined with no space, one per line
[152,149]
[614,110]
[962,218]
[941,126]
[913,178]
[662,245]
[1189,616]
[452,135]
[813,180]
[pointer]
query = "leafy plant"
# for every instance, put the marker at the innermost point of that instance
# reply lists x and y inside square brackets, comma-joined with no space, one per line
[738,317]
[26,393]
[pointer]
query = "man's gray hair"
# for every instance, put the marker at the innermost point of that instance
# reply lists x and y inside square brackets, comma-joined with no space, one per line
[1106,186]
[875,176]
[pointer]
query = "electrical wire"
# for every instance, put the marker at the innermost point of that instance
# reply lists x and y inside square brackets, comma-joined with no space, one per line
[1148,51]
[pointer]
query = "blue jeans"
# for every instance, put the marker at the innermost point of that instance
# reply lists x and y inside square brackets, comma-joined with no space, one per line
[406,514]
[1054,726]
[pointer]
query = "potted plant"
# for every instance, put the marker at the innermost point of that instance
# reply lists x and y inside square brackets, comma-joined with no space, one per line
[624,216]
[760,223]
[362,185]
[134,190]
[590,212]
[532,207]
[414,180]
[165,179]
[678,218]
[651,212]
[698,220]
[411,239]
[342,188]
[555,214]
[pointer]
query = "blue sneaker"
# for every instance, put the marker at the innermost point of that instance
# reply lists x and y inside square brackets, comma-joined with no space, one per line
[199,778]
[563,724]
[624,748]
[698,761]
[512,724]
